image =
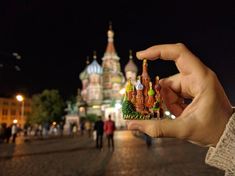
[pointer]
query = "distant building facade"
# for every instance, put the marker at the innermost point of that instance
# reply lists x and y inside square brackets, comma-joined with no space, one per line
[11,110]
[101,84]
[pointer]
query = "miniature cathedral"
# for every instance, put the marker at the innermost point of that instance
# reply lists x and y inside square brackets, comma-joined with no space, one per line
[142,99]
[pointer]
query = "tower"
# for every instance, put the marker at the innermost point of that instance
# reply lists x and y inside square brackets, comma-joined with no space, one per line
[113,78]
[145,79]
[94,89]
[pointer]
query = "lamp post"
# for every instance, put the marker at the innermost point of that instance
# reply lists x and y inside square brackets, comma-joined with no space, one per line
[20,98]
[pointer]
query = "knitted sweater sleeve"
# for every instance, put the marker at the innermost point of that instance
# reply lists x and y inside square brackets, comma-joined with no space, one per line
[223,155]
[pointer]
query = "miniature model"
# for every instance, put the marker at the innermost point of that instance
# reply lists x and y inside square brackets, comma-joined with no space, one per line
[142,101]
[150,100]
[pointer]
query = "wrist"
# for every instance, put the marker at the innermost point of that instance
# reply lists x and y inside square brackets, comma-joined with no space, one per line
[224,122]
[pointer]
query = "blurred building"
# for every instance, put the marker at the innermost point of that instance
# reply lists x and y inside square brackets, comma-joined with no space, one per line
[11,111]
[102,83]
[131,69]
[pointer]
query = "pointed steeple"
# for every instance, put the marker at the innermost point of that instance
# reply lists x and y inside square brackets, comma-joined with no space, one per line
[145,77]
[87,60]
[110,46]
[94,55]
[130,55]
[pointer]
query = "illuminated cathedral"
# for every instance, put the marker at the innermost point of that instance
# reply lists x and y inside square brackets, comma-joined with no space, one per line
[102,84]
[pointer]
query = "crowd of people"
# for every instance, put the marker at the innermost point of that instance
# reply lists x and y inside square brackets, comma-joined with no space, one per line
[8,133]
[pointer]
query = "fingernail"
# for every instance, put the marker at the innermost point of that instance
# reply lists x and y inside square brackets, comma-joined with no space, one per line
[139,55]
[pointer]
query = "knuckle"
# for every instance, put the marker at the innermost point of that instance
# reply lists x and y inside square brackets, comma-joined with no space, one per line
[181,46]
[212,73]
[212,77]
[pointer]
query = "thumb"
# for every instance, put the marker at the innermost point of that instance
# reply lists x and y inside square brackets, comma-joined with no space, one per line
[160,128]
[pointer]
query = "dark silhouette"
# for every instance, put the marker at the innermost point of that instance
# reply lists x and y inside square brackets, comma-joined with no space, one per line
[8,134]
[82,127]
[99,128]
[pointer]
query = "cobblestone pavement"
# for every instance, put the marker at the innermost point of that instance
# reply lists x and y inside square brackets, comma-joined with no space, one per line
[77,156]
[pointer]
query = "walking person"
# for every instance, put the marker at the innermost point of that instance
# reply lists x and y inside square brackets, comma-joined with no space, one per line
[8,134]
[14,132]
[109,128]
[99,128]
[82,127]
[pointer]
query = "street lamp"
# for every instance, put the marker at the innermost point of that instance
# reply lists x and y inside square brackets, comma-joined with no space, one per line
[20,98]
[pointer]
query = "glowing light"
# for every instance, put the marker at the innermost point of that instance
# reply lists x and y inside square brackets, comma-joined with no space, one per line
[173,116]
[54,123]
[15,121]
[19,98]
[118,105]
[122,91]
[95,106]
[167,113]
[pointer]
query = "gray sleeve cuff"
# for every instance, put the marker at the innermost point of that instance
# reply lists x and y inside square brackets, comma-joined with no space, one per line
[223,155]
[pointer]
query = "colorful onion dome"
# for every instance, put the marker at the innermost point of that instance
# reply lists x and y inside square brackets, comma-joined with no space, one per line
[139,86]
[151,91]
[129,86]
[94,67]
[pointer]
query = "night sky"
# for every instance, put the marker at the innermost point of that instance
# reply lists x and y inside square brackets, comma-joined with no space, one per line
[55,37]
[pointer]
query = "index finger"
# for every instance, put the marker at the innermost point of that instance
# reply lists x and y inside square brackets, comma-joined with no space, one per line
[185,61]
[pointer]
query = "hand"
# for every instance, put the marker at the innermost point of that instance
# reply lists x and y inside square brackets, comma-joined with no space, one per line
[204,119]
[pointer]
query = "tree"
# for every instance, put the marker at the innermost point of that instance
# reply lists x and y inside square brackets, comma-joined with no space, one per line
[91,117]
[46,107]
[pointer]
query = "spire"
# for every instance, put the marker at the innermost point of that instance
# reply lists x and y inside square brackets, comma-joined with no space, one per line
[110,25]
[94,55]
[145,77]
[145,68]
[130,55]
[157,86]
[87,60]
[110,47]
